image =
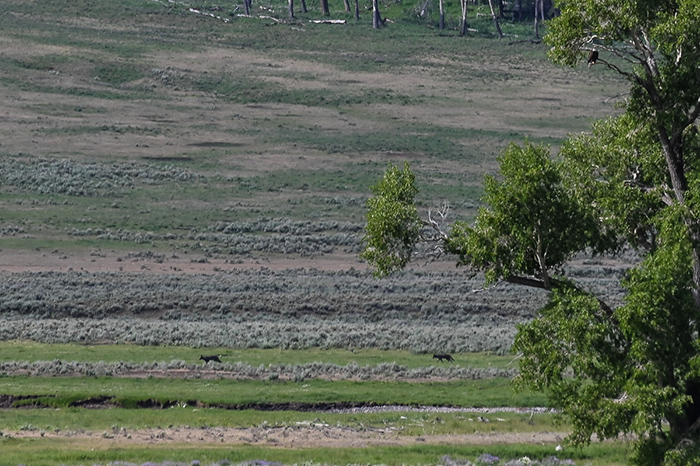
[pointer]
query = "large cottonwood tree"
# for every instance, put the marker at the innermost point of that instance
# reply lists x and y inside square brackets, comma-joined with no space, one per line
[632,182]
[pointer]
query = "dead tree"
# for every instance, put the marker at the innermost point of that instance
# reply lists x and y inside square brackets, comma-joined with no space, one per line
[442,16]
[377,21]
[495,20]
[464,26]
[539,12]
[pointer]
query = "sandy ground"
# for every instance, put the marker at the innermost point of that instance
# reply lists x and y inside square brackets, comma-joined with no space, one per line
[320,435]
[16,261]
[25,260]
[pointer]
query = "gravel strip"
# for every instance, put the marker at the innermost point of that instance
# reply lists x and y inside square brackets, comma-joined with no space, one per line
[441,409]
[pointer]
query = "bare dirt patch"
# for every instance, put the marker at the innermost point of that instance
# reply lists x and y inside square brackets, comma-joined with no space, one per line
[17,261]
[301,436]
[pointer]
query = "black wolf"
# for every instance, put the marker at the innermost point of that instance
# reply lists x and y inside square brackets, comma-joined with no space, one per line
[442,357]
[206,359]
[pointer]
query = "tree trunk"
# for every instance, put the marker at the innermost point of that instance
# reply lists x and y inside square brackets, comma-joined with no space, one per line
[303,6]
[672,146]
[500,9]
[246,5]
[537,20]
[357,10]
[464,26]
[291,9]
[542,18]
[325,11]
[377,21]
[347,6]
[442,16]
[670,135]
[495,20]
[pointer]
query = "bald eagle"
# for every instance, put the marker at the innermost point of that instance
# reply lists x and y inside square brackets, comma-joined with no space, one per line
[592,58]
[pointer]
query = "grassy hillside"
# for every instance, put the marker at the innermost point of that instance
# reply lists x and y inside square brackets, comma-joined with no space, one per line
[139,123]
[176,166]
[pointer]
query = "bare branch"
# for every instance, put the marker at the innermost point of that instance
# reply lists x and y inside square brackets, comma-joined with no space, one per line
[435,225]
[628,75]
[480,290]
[520,355]
[439,235]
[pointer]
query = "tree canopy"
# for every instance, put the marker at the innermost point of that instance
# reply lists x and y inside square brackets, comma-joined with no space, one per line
[393,224]
[633,182]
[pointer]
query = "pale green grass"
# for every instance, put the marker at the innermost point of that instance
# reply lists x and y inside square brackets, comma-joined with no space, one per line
[403,423]
[53,452]
[32,351]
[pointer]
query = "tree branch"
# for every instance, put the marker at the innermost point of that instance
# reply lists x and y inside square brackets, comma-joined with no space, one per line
[436,226]
[537,283]
[526,281]
[627,74]
[693,115]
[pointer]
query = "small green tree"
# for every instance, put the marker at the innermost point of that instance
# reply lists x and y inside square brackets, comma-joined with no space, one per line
[633,182]
[393,224]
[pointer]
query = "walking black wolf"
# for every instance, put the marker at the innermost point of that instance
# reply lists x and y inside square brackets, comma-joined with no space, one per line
[206,359]
[442,357]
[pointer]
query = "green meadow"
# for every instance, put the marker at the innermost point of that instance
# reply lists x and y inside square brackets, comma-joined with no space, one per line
[131,392]
[61,452]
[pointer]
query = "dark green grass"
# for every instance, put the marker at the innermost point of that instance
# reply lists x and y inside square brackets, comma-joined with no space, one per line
[129,392]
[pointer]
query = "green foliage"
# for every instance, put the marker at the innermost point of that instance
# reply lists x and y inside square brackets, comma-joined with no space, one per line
[531,226]
[570,344]
[605,170]
[628,367]
[632,366]
[658,42]
[393,225]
